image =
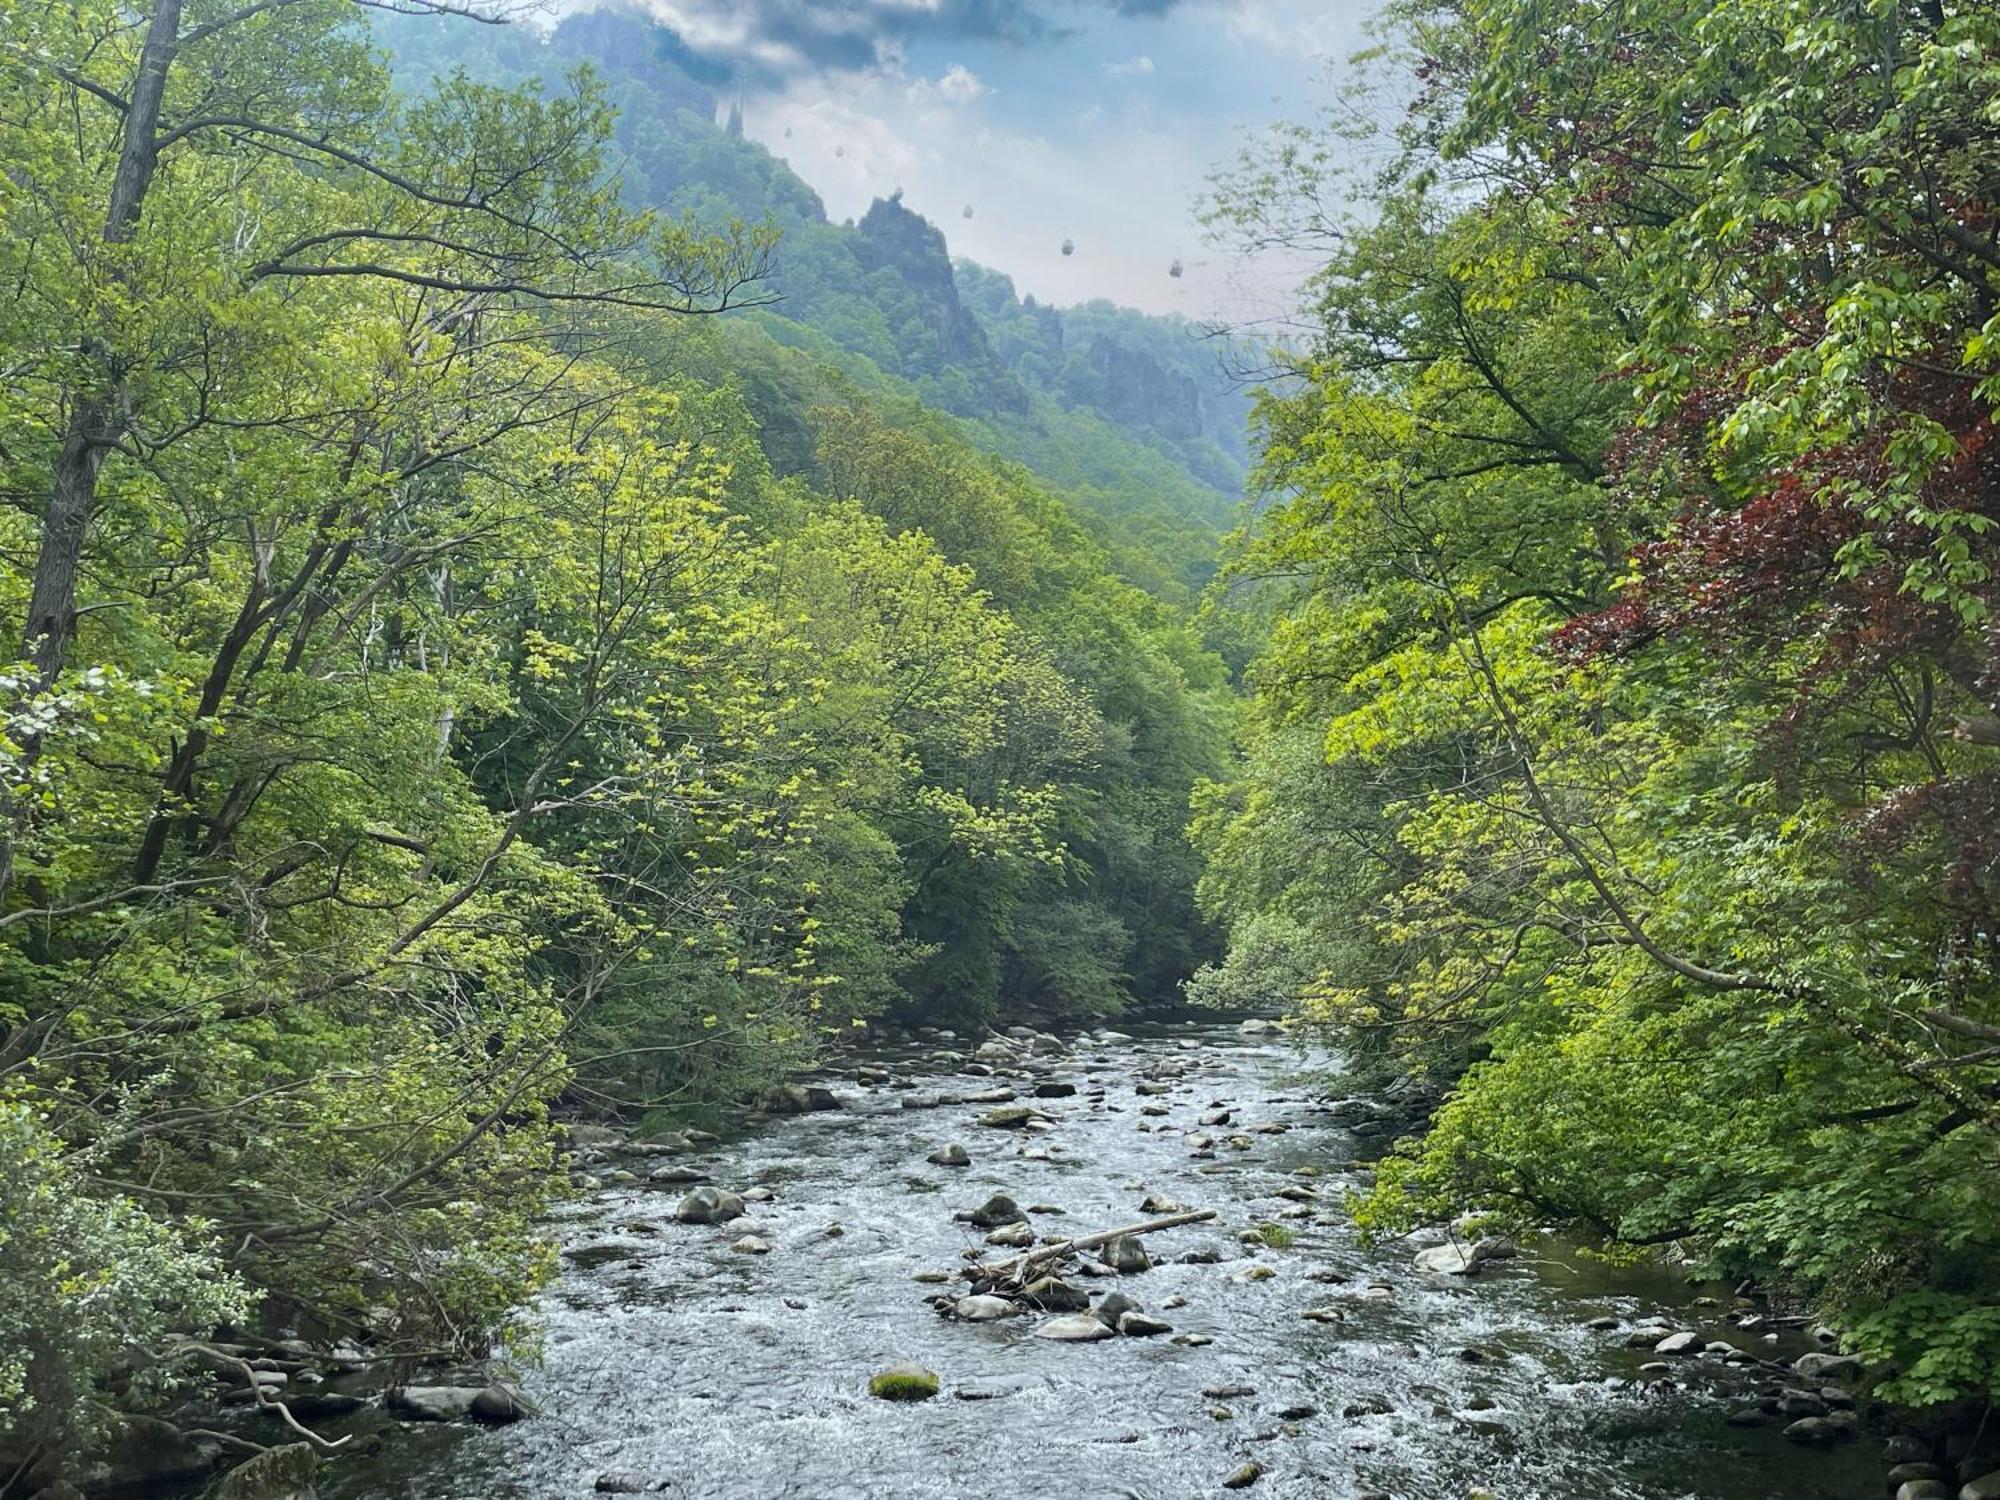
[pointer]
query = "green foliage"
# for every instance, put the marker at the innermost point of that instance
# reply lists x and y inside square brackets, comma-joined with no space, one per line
[457,684]
[1620,761]
[87,1278]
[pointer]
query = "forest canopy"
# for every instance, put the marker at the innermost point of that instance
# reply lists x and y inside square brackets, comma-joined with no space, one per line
[1624,760]
[434,707]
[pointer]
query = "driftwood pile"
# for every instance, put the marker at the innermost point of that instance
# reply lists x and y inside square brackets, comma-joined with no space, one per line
[1008,1278]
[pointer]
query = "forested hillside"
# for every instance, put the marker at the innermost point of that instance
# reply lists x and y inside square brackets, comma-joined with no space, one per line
[462,674]
[1622,764]
[1143,421]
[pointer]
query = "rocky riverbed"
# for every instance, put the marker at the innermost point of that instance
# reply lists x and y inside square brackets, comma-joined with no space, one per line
[724,1308]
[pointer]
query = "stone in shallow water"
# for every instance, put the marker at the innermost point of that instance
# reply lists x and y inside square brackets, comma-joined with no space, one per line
[431,1403]
[953,1155]
[500,1404]
[1053,1295]
[707,1205]
[1075,1328]
[750,1244]
[1009,1117]
[995,1211]
[1138,1325]
[1449,1260]
[622,1482]
[1127,1256]
[982,1309]
[1114,1307]
[1244,1477]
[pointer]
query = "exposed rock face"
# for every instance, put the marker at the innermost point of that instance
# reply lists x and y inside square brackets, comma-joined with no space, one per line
[154,1454]
[895,239]
[1136,390]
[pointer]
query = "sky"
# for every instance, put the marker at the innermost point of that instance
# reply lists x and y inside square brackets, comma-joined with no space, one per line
[1096,121]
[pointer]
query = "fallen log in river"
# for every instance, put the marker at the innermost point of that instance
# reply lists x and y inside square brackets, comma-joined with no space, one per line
[1017,1267]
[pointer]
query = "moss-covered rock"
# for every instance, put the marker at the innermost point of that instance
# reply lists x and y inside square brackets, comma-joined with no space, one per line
[275,1474]
[904,1383]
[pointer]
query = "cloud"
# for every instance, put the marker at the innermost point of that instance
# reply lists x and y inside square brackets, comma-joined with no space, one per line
[774,39]
[959,85]
[1140,64]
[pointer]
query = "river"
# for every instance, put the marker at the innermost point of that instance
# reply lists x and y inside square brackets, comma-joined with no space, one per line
[744,1377]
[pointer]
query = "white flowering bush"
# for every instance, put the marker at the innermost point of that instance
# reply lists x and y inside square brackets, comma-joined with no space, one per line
[85,1281]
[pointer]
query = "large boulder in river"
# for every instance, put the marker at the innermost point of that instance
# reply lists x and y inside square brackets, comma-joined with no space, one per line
[953,1155]
[1053,1295]
[1461,1259]
[432,1403]
[151,1454]
[995,1211]
[1127,1256]
[500,1404]
[801,1099]
[707,1205]
[284,1473]
[1114,1307]
[1822,1368]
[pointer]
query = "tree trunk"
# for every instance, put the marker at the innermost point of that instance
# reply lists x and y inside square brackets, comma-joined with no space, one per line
[97,420]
